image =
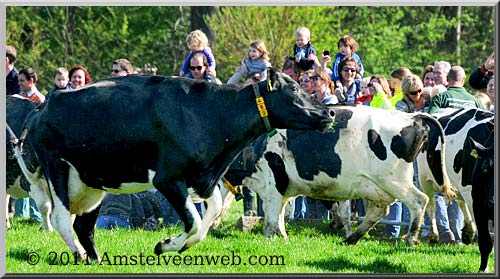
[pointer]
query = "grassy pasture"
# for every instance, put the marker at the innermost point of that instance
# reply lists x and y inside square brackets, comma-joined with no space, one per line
[312,248]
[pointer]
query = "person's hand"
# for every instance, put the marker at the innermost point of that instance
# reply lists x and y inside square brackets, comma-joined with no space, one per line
[490,62]
[374,88]
[211,73]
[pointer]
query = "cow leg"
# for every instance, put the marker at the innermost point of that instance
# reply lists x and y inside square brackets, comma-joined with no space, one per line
[480,209]
[341,214]
[42,201]
[7,220]
[61,217]
[177,195]
[84,226]
[374,213]
[227,200]
[416,201]
[469,229]
[428,189]
[214,206]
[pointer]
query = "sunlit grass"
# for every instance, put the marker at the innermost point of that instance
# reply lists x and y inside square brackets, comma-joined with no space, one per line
[311,248]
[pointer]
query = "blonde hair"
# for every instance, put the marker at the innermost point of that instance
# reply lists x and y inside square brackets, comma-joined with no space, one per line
[61,71]
[485,99]
[197,38]
[260,46]
[409,82]
[303,31]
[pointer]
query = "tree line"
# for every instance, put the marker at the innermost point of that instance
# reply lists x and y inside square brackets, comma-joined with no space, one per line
[388,37]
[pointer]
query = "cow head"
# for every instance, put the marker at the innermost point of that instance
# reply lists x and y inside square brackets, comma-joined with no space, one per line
[290,107]
[478,160]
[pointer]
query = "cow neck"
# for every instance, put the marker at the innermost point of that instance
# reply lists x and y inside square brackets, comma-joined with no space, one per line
[261,107]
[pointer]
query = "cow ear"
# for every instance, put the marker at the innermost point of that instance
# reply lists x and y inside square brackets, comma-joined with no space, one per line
[272,77]
[475,147]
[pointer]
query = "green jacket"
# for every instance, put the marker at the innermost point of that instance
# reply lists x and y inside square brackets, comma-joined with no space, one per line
[380,100]
[454,97]
[397,97]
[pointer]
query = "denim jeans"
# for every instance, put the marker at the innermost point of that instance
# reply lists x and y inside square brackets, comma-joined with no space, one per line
[449,218]
[395,212]
[26,207]
[300,207]
[110,222]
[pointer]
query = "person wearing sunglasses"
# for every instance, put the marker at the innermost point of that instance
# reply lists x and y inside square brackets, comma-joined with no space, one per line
[348,88]
[198,65]
[306,82]
[413,97]
[322,87]
[121,67]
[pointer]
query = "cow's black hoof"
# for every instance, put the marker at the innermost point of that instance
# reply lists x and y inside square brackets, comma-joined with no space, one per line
[158,247]
[184,248]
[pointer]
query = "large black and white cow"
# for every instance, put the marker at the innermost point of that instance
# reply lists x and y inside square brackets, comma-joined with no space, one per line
[17,109]
[465,130]
[125,134]
[369,154]
[245,170]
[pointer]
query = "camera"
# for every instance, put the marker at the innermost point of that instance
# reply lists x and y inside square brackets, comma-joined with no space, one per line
[326,52]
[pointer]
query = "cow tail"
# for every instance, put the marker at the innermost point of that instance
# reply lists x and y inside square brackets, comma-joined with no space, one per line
[449,191]
[17,143]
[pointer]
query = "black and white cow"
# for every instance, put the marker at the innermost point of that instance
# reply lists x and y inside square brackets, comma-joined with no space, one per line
[17,109]
[369,154]
[245,170]
[465,130]
[125,134]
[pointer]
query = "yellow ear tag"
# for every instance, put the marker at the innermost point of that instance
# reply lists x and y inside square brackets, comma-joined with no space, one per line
[269,85]
[474,154]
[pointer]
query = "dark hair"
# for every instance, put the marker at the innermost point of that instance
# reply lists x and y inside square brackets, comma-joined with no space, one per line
[428,69]
[346,60]
[348,41]
[88,79]
[29,73]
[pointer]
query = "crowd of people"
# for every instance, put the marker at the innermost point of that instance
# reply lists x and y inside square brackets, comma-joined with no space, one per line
[344,82]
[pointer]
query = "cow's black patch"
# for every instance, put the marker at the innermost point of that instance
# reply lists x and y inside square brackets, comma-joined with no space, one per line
[457,161]
[277,166]
[376,145]
[153,80]
[200,86]
[452,124]
[315,151]
[406,145]
[244,165]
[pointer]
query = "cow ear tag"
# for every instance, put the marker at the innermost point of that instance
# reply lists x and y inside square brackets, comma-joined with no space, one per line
[269,85]
[474,154]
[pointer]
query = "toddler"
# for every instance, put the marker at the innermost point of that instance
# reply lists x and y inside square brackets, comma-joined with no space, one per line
[303,50]
[347,48]
[197,41]
[253,67]
[61,80]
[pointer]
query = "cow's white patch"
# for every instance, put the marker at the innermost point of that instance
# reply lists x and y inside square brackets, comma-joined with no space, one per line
[133,187]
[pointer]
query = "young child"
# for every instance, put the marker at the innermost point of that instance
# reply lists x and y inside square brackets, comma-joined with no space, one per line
[61,80]
[197,41]
[253,67]
[366,96]
[303,49]
[347,48]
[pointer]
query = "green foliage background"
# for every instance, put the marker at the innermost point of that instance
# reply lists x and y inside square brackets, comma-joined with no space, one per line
[388,37]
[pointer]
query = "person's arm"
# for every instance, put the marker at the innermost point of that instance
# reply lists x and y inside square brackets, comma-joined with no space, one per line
[210,57]
[436,103]
[185,65]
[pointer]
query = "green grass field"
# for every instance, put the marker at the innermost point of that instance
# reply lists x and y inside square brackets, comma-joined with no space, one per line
[311,248]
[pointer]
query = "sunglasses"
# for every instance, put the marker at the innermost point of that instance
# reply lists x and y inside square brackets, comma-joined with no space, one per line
[116,71]
[305,80]
[347,69]
[415,92]
[315,78]
[195,68]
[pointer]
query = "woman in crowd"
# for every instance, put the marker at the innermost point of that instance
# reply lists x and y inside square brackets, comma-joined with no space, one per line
[79,76]
[348,88]
[322,88]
